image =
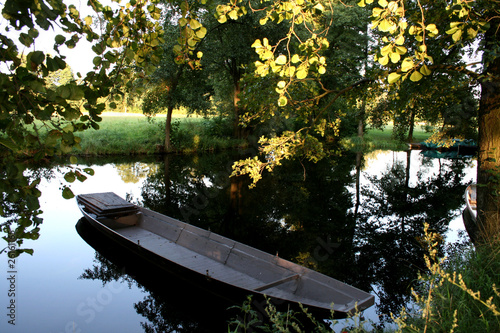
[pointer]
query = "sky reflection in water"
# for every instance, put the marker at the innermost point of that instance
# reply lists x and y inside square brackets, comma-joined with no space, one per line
[51,296]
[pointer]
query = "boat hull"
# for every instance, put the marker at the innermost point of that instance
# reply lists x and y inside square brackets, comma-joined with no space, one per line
[229,267]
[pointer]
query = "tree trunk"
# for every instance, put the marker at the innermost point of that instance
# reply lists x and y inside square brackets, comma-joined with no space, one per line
[237,128]
[168,129]
[488,171]
[411,125]
[168,147]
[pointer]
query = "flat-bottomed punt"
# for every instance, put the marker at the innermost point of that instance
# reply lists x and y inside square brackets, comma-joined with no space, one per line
[218,258]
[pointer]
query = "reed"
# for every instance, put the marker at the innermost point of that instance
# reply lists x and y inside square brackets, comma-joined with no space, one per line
[457,294]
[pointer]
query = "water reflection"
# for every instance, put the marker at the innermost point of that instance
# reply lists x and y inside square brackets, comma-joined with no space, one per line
[357,218]
[170,304]
[368,238]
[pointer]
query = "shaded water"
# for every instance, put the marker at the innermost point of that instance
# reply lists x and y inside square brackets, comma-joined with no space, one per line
[357,218]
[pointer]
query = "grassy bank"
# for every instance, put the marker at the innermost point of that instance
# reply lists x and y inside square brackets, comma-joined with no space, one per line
[136,134]
[382,139]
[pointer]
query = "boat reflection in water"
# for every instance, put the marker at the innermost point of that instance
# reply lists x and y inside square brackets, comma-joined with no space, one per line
[172,303]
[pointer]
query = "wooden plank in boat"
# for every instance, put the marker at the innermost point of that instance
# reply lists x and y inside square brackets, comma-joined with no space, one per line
[107,203]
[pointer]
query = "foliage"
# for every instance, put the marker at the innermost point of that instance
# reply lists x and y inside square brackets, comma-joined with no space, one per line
[41,112]
[460,293]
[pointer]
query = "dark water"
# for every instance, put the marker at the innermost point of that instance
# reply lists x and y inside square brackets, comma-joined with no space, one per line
[357,218]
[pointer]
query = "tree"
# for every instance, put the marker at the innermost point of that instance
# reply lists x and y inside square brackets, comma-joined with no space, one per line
[472,24]
[176,82]
[40,117]
[406,30]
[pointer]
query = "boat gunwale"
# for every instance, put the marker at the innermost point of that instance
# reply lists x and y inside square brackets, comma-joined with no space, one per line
[298,271]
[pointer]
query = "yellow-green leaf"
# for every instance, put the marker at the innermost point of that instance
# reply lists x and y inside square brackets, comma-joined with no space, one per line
[395,57]
[257,44]
[281,60]
[195,24]
[416,76]
[295,58]
[222,19]
[432,28]
[400,40]
[401,50]
[282,101]
[233,15]
[201,33]
[407,65]
[457,35]
[425,70]
[385,25]
[393,77]
[386,50]
[301,73]
[384,60]
[377,11]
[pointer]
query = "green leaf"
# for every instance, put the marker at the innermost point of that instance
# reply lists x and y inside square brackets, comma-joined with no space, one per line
[70,177]
[183,21]
[73,159]
[89,171]
[67,193]
[37,57]
[60,39]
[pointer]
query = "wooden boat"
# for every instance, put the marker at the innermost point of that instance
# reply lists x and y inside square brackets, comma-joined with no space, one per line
[471,201]
[219,259]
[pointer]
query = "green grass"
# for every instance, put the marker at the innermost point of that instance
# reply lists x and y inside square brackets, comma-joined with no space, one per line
[122,135]
[382,139]
[135,134]
[126,135]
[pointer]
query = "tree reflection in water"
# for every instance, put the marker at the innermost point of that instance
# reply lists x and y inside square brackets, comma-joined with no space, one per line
[367,237]
[170,304]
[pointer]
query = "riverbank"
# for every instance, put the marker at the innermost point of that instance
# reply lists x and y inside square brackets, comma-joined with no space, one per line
[132,133]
